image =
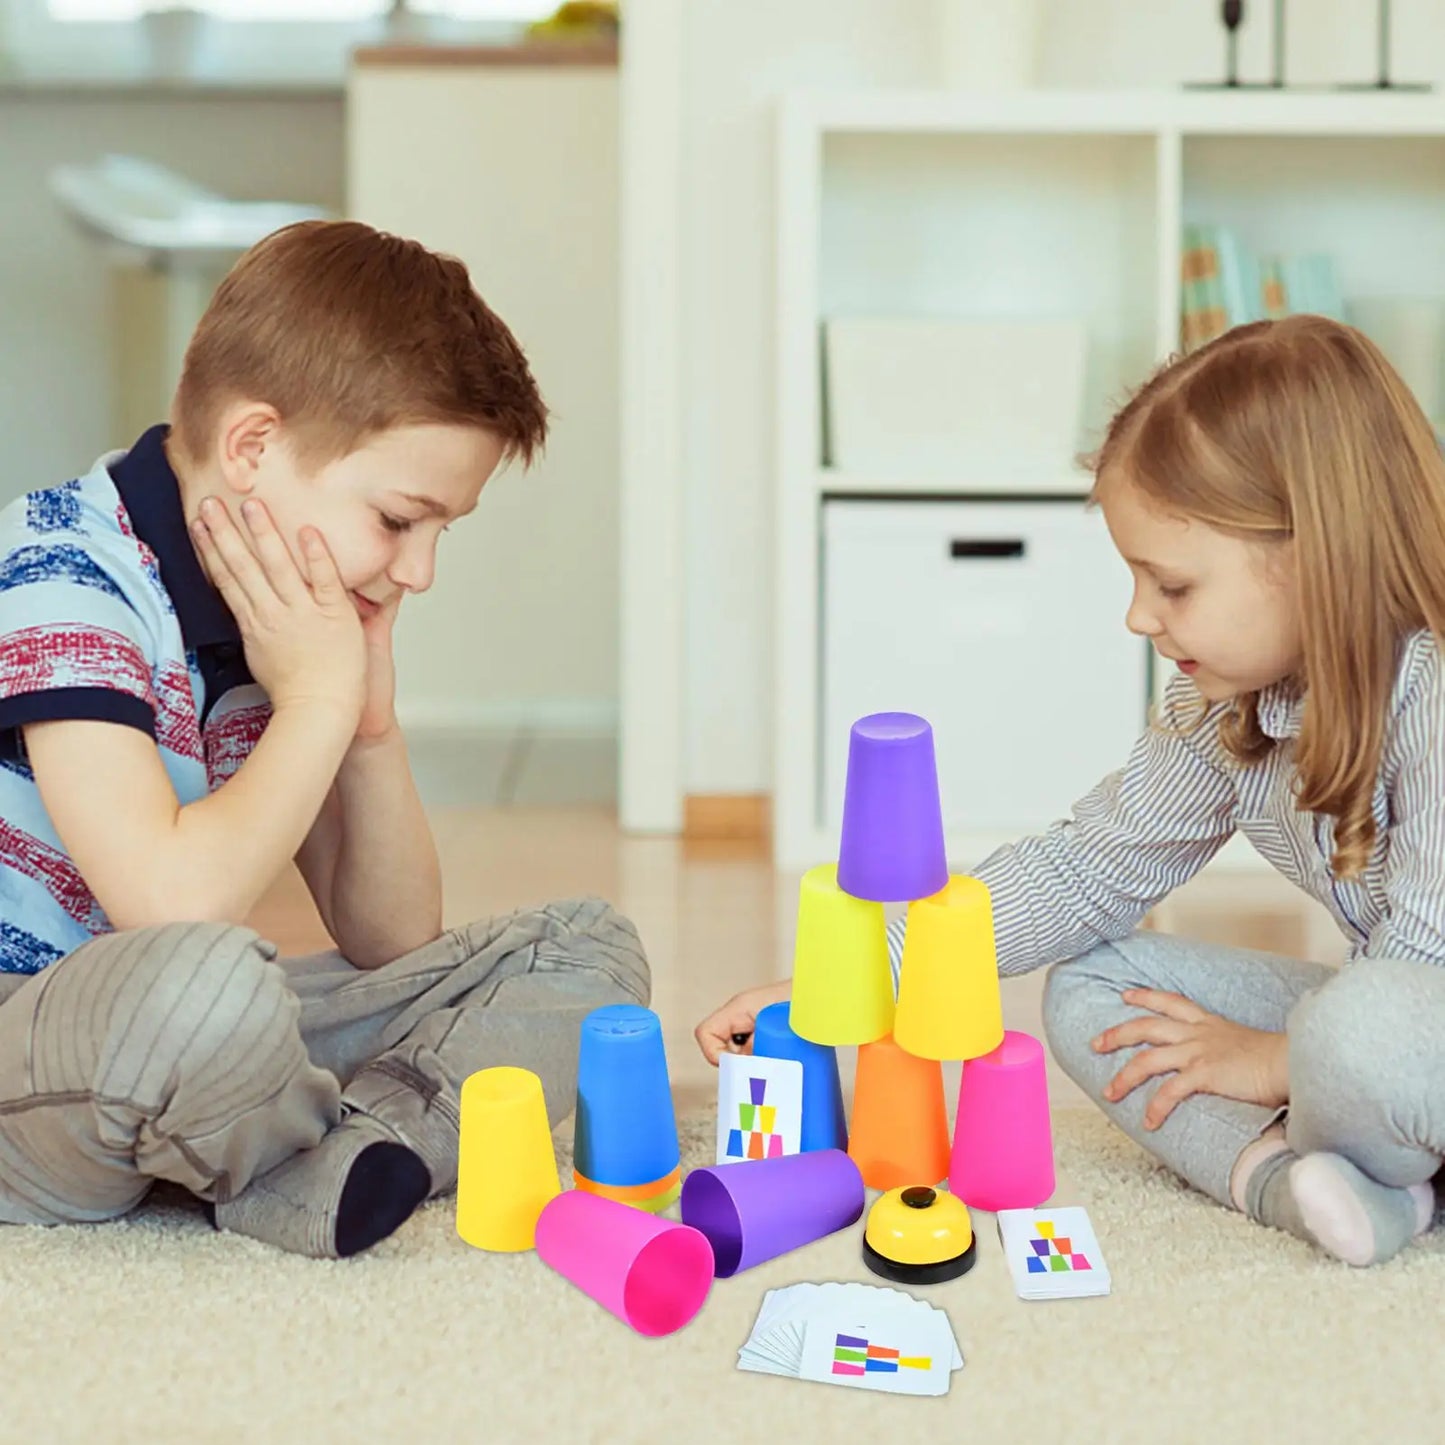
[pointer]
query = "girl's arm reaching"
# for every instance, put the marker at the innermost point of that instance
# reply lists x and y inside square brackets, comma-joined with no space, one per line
[1141,833]
[1413,771]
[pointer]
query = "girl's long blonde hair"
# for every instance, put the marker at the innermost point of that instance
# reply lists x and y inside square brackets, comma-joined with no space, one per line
[1299,430]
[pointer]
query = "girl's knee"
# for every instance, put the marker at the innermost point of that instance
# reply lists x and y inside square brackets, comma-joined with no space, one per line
[1065,1025]
[1346,1029]
[1359,1051]
[1082,998]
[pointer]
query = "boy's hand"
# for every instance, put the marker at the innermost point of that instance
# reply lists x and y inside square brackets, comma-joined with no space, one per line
[1205,1053]
[715,1035]
[303,639]
[378,710]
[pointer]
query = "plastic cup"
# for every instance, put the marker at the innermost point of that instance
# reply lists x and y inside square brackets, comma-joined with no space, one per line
[825,1126]
[506,1170]
[1003,1146]
[625,1132]
[948,997]
[760,1208]
[842,984]
[652,1197]
[892,847]
[900,1120]
[653,1274]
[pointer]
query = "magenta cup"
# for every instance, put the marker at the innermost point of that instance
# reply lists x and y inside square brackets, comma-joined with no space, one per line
[892,848]
[756,1209]
[1003,1147]
[652,1273]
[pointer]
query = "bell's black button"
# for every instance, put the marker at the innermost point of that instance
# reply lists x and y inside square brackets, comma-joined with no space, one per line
[919,1197]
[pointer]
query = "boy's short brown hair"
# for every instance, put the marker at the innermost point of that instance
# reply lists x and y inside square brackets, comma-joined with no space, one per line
[348,331]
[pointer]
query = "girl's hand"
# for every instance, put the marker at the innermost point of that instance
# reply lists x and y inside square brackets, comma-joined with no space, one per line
[718,1032]
[1206,1054]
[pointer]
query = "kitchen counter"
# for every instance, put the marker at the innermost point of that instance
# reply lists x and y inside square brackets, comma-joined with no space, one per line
[539,53]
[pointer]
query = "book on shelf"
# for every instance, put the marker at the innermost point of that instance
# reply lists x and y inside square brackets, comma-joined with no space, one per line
[1225,284]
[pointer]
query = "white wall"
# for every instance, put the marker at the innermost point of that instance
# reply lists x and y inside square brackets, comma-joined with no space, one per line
[55,297]
[1167,42]
[515,171]
[738,55]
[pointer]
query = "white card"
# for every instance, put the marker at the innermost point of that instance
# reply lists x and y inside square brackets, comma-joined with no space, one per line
[775,1345]
[759,1108]
[899,1353]
[784,1312]
[1053,1253]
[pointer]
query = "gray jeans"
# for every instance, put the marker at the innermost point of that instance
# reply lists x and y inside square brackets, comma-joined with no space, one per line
[191,1052]
[1366,1053]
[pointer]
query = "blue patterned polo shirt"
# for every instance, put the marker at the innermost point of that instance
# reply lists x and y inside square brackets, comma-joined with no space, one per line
[106,614]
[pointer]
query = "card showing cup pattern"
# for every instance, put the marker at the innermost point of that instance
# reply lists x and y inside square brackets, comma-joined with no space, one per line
[1052,1251]
[755,1136]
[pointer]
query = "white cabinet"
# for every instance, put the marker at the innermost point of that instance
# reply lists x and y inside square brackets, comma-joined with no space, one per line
[1002,623]
[944,205]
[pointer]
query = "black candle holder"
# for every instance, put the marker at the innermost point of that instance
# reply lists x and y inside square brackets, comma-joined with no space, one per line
[1231,14]
[1382,46]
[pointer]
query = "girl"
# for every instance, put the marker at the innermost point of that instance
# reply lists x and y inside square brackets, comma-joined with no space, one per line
[1279,498]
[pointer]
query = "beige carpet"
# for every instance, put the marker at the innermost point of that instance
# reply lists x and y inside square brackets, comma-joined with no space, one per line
[156,1329]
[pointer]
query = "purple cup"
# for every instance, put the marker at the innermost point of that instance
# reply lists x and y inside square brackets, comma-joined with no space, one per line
[756,1209]
[892,848]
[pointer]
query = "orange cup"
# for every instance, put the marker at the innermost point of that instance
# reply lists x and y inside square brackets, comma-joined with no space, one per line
[653,1197]
[899,1132]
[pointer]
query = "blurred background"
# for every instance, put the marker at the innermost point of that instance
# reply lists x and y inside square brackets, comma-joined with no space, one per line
[826,296]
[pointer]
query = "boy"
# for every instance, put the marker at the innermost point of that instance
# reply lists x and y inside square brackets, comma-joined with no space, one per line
[196,685]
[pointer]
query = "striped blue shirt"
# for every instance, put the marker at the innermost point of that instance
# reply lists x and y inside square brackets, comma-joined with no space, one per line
[106,614]
[1153,824]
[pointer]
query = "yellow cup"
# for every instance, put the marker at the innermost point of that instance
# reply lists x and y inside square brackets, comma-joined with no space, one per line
[506,1170]
[948,998]
[842,985]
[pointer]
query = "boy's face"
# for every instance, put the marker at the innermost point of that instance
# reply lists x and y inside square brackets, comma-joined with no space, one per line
[1221,608]
[382,508]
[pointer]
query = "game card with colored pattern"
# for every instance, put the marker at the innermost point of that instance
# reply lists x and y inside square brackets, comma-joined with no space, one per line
[1053,1253]
[902,1353]
[759,1108]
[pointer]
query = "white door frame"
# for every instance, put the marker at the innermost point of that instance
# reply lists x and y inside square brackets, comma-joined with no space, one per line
[652,574]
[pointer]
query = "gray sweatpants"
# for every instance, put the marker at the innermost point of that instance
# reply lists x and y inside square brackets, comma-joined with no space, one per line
[1366,1053]
[191,1052]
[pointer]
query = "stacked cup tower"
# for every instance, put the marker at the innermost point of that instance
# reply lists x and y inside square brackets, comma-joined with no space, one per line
[947,1007]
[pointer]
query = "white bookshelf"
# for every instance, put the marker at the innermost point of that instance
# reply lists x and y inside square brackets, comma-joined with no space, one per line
[935,203]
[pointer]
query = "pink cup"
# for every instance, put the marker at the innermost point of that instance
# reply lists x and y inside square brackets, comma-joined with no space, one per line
[1003,1146]
[652,1273]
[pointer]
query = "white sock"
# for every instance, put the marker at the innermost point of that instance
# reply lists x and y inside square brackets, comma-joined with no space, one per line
[1344,1211]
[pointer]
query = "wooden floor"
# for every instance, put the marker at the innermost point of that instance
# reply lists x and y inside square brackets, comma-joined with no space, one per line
[717,918]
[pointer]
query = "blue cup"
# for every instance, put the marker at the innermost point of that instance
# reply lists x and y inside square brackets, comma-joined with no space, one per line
[824,1124]
[626,1131]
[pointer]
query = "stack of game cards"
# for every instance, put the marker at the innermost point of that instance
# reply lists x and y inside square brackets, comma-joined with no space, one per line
[865,1336]
[1052,1253]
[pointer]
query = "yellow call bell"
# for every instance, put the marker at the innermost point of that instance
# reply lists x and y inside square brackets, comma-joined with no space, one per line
[918,1235]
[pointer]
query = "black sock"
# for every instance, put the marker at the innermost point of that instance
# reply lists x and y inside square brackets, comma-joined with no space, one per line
[386,1184]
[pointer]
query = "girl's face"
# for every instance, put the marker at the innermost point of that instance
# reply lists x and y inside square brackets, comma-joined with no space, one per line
[1220,608]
